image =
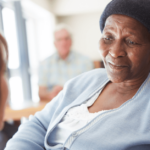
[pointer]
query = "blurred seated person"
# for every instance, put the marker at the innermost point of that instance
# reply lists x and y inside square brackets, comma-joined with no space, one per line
[3,90]
[62,65]
[6,130]
[99,64]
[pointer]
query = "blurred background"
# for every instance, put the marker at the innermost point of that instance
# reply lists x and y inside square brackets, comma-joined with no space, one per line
[28,28]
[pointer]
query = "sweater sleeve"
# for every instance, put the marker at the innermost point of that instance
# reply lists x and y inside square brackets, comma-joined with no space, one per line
[31,134]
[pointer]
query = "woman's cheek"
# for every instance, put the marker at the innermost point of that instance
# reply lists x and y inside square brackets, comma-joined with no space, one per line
[103,49]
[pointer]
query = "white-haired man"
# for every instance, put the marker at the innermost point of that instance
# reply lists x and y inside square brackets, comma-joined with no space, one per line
[61,66]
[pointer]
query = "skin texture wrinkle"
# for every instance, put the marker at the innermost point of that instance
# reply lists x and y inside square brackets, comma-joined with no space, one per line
[125,50]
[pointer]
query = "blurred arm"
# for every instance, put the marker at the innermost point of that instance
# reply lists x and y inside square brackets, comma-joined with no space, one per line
[44,94]
[31,135]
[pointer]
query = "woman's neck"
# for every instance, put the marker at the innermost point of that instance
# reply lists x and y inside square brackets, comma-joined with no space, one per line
[130,86]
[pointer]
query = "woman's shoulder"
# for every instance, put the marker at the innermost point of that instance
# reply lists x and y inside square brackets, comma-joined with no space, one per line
[95,74]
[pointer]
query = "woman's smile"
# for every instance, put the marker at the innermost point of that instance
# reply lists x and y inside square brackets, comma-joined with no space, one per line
[116,66]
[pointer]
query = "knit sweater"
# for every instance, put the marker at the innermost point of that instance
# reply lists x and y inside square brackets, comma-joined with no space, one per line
[123,128]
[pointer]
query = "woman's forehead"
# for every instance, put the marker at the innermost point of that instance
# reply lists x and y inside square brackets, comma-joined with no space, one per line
[122,21]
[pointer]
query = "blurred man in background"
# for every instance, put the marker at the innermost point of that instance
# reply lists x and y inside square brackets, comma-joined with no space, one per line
[61,66]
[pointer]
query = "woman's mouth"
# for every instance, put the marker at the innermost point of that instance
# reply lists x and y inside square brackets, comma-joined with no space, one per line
[116,66]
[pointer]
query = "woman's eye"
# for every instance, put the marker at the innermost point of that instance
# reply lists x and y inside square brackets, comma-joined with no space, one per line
[131,42]
[107,39]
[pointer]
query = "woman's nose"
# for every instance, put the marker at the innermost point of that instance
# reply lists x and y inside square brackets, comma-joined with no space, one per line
[117,50]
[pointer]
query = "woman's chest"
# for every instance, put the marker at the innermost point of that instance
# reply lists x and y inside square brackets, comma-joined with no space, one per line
[111,130]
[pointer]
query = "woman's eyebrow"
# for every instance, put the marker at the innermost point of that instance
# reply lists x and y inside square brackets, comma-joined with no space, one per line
[109,28]
[131,33]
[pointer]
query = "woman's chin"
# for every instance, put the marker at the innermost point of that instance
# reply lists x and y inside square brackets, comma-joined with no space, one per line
[116,78]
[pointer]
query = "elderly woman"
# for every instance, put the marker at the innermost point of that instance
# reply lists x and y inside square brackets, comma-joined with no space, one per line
[96,112]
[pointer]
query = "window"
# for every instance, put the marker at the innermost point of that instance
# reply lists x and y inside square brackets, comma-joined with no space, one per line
[39,25]
[28,29]
[13,26]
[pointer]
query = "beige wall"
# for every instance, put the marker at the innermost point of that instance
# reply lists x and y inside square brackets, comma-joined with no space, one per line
[43,3]
[85,23]
[86,33]
[74,7]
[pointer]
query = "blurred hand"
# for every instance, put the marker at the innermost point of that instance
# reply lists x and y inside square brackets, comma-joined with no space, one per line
[1,124]
[55,91]
[3,100]
[46,95]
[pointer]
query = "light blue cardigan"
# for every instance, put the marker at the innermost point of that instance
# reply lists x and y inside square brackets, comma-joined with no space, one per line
[124,128]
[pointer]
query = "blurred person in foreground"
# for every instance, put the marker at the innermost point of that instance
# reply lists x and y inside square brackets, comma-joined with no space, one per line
[6,130]
[61,66]
[103,109]
[3,89]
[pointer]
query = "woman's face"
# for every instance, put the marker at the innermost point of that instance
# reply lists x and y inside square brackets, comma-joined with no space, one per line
[125,48]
